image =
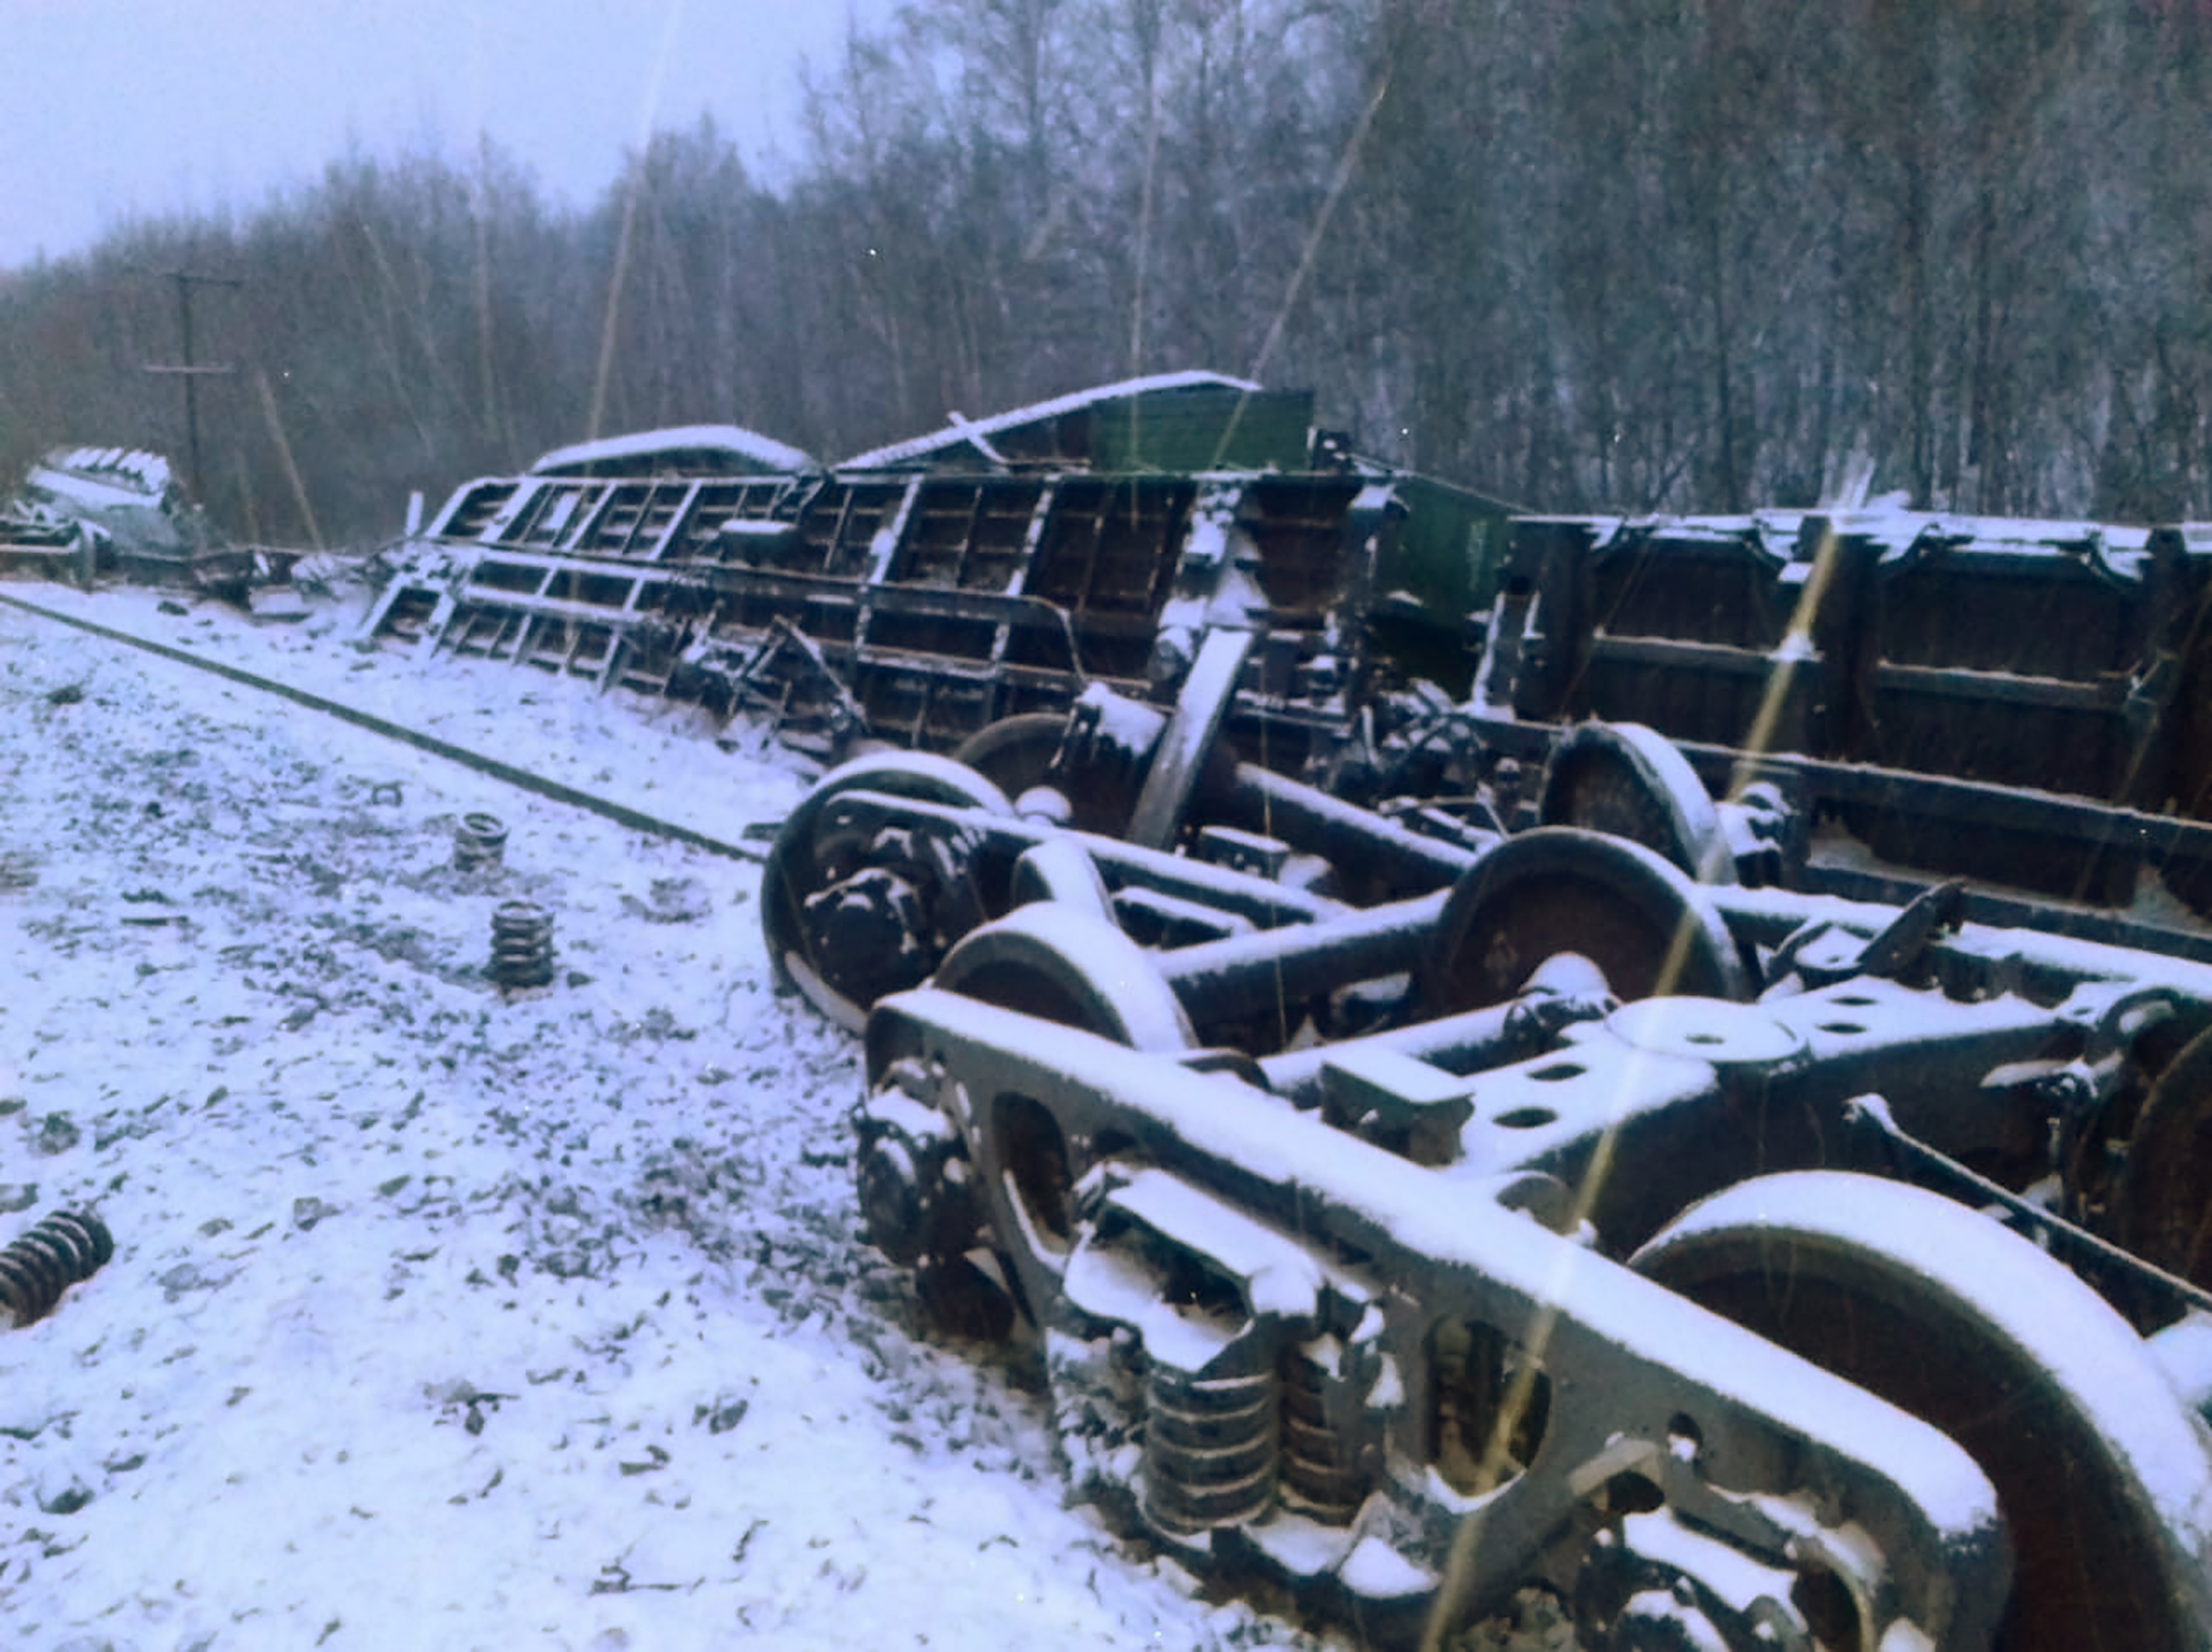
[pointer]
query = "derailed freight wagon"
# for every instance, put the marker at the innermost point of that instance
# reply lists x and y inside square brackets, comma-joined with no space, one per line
[1431,1227]
[918,594]
[1905,695]
[86,514]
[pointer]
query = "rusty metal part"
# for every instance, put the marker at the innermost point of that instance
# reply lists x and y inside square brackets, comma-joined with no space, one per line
[521,944]
[1629,781]
[1558,888]
[1020,754]
[1074,970]
[57,1251]
[2100,1476]
[2165,1198]
[480,841]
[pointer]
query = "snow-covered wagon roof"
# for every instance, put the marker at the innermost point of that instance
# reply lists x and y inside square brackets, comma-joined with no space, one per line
[688,449]
[978,433]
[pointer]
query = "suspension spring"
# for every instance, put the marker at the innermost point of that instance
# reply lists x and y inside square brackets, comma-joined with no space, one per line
[1210,1451]
[479,841]
[521,944]
[54,1253]
[1321,1475]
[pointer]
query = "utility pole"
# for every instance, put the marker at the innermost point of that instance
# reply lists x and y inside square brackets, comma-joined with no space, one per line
[190,370]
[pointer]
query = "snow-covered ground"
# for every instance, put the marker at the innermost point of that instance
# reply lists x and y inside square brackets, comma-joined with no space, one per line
[440,1318]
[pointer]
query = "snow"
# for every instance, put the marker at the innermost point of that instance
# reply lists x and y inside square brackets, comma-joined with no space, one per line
[961,430]
[99,479]
[749,445]
[437,1318]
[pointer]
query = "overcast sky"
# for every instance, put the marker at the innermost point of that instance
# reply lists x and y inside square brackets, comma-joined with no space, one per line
[123,109]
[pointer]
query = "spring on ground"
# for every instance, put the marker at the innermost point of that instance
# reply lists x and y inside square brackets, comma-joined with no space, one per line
[1210,1448]
[55,1253]
[521,944]
[479,841]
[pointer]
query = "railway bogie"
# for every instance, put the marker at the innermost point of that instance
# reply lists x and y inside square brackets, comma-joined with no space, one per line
[1684,1300]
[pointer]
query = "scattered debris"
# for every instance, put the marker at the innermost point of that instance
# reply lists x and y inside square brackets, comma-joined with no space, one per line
[521,944]
[57,1251]
[479,842]
[85,513]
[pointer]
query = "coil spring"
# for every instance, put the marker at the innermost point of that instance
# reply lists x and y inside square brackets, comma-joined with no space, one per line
[521,944]
[1210,1452]
[54,1253]
[479,841]
[1321,1467]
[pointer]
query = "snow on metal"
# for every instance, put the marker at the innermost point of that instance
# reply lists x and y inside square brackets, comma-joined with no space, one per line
[961,430]
[102,478]
[699,445]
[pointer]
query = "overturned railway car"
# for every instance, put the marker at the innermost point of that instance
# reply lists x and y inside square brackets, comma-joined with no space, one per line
[1442,1219]
[1405,1224]
[2021,704]
[917,594]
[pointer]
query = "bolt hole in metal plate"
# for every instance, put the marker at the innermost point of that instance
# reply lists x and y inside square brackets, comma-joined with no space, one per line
[1526,1118]
[1705,1030]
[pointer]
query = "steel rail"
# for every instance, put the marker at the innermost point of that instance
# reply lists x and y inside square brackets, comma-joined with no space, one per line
[622,814]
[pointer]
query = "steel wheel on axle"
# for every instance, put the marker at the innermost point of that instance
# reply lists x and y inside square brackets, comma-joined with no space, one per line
[1070,969]
[1016,754]
[2165,1198]
[1627,781]
[1558,888]
[2105,1482]
[847,922]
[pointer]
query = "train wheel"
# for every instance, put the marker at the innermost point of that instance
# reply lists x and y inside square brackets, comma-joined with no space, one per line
[2103,1479]
[1016,754]
[1557,889]
[847,922]
[1074,969]
[2165,1195]
[1627,781]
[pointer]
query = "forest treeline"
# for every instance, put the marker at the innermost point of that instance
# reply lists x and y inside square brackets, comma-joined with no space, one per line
[1582,254]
